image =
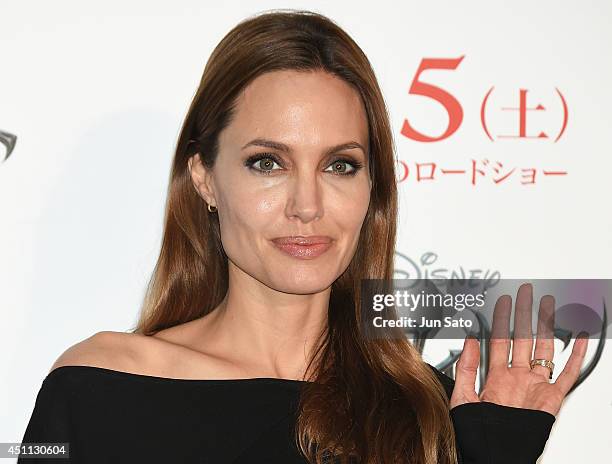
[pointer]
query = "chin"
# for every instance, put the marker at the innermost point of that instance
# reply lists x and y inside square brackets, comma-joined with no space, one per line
[303,286]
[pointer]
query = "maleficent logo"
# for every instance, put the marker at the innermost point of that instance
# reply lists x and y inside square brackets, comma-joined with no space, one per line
[9,141]
[570,318]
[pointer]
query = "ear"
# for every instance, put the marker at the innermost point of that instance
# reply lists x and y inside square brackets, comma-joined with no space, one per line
[202,179]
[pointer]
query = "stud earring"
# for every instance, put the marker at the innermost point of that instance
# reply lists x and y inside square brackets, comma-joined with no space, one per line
[211,210]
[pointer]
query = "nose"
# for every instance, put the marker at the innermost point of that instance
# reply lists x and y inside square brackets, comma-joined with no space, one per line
[305,201]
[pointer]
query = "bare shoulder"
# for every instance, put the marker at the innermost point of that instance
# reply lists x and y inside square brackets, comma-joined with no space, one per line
[167,353]
[108,349]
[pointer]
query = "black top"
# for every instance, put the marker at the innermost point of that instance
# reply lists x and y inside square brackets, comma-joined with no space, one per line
[110,416]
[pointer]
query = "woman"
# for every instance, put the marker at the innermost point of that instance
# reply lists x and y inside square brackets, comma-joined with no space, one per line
[282,199]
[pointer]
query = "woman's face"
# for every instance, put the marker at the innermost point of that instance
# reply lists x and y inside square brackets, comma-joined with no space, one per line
[275,177]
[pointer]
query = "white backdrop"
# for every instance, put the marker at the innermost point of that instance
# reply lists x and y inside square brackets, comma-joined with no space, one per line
[96,93]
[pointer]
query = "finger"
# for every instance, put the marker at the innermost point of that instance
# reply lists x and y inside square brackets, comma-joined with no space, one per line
[545,344]
[571,371]
[467,366]
[522,343]
[500,333]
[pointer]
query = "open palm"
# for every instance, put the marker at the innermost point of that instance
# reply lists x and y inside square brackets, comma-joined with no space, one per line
[518,385]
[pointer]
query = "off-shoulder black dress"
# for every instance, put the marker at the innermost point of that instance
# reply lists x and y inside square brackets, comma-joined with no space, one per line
[110,416]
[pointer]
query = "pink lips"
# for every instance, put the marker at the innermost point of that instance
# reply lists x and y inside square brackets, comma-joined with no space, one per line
[303,247]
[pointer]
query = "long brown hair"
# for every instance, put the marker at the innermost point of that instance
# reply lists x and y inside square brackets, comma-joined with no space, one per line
[374,400]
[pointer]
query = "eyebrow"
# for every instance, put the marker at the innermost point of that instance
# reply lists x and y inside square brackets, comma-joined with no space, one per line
[285,148]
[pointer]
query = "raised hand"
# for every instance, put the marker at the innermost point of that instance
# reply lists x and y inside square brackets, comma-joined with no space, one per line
[518,385]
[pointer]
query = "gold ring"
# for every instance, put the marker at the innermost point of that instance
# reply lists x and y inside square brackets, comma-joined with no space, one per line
[543,362]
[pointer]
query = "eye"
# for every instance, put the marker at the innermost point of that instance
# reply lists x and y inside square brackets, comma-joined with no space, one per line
[266,160]
[341,163]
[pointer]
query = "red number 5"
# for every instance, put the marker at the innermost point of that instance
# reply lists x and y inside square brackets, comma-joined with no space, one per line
[450,103]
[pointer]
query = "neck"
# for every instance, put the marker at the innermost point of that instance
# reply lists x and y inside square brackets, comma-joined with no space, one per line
[267,332]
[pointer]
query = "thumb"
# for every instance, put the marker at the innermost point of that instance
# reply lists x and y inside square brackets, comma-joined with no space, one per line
[466,369]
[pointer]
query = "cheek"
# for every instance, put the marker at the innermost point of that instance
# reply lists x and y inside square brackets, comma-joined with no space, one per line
[262,205]
[348,209]
[245,217]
